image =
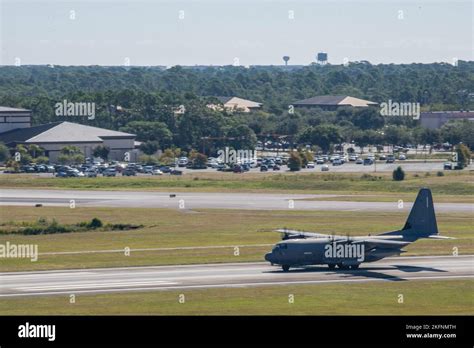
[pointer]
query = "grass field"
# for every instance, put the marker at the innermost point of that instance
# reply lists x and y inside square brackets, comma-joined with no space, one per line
[452,183]
[452,297]
[164,228]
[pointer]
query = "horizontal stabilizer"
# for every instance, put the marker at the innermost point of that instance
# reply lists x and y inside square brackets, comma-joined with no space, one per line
[434,236]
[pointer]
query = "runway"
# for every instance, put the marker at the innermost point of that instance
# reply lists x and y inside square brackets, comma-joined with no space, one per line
[233,275]
[196,200]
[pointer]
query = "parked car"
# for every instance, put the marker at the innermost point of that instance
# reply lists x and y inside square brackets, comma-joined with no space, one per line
[359,161]
[263,168]
[176,172]
[324,168]
[337,162]
[165,169]
[353,158]
[156,172]
[368,161]
[90,173]
[246,166]
[148,169]
[390,159]
[310,165]
[27,169]
[276,167]
[382,157]
[182,162]
[448,166]
[238,169]
[402,157]
[109,172]
[129,172]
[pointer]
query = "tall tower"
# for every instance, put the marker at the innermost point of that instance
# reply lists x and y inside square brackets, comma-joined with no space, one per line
[286,59]
[322,58]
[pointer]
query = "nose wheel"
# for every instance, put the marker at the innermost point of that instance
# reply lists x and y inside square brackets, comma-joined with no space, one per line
[285,268]
[342,266]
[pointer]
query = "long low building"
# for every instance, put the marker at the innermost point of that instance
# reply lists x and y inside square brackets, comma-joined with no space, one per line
[436,119]
[52,137]
[13,118]
[333,102]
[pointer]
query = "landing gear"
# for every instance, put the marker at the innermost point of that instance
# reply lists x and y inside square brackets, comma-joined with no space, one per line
[341,266]
[354,266]
[285,268]
[331,266]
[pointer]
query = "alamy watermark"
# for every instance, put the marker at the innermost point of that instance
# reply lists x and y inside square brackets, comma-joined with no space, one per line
[344,251]
[37,331]
[236,156]
[400,109]
[21,251]
[67,108]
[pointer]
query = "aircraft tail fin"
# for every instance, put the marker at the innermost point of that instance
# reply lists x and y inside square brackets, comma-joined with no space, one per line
[421,222]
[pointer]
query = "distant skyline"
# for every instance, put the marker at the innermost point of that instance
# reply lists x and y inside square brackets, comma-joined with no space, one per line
[234,32]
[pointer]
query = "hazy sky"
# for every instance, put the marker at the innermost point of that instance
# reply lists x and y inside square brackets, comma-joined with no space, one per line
[187,32]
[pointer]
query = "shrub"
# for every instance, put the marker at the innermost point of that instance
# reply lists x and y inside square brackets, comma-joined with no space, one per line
[398,174]
[95,223]
[439,174]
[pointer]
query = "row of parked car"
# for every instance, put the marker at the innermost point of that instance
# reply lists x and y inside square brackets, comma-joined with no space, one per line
[107,170]
[339,159]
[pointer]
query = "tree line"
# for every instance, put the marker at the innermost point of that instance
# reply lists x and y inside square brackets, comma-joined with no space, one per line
[145,100]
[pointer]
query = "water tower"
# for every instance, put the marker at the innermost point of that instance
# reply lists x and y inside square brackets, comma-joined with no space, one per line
[322,58]
[286,59]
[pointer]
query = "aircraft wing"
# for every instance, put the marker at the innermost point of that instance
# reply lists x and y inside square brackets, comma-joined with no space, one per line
[295,233]
[337,238]
[379,237]
[383,243]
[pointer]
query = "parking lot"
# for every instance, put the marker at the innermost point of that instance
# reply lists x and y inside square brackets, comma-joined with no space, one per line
[349,167]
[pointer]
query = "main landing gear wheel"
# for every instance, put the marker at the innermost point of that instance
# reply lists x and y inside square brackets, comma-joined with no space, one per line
[286,268]
[355,267]
[341,266]
[332,266]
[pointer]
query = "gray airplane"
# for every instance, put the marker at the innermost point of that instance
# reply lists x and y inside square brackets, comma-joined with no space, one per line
[308,248]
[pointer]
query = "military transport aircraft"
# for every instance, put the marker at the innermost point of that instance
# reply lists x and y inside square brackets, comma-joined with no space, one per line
[300,248]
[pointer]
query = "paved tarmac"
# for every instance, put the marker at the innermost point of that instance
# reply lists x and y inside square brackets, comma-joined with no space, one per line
[230,275]
[195,200]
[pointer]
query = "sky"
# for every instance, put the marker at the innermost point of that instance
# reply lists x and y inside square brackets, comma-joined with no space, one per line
[238,32]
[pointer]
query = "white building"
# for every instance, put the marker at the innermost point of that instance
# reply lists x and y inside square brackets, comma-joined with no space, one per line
[13,118]
[52,137]
[236,104]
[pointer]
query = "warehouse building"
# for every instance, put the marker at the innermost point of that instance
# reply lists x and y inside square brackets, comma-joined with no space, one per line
[13,118]
[436,119]
[52,137]
[333,102]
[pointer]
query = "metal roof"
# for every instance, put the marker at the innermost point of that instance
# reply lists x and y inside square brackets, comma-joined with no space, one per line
[61,132]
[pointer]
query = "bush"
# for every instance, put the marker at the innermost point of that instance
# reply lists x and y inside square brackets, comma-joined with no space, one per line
[398,174]
[95,223]
[439,174]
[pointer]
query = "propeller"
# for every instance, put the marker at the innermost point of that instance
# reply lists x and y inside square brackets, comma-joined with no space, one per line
[349,239]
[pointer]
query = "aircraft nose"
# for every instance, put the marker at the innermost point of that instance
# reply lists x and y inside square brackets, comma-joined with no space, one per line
[269,257]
